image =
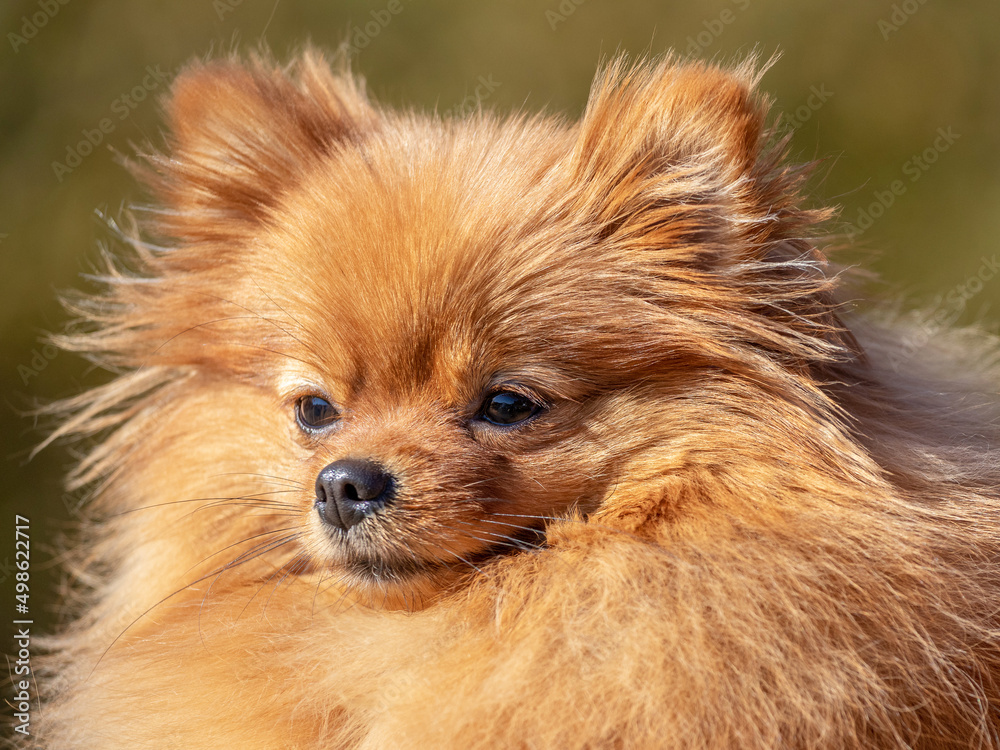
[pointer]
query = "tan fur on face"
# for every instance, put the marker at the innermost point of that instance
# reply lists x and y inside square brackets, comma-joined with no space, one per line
[737,521]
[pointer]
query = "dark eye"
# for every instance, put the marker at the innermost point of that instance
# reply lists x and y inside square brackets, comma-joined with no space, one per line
[508,408]
[315,413]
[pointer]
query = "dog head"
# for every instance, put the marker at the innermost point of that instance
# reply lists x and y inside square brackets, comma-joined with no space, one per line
[398,345]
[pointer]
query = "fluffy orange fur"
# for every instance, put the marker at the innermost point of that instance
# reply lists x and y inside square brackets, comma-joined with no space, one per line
[734,519]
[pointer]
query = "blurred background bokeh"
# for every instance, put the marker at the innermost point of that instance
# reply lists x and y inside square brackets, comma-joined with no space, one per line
[902,94]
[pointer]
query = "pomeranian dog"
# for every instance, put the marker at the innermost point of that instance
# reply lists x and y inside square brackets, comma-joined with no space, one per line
[509,432]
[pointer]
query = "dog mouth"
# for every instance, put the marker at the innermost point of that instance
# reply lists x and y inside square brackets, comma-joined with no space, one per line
[376,538]
[380,564]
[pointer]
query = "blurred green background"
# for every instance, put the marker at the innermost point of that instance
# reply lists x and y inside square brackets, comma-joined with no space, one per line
[871,85]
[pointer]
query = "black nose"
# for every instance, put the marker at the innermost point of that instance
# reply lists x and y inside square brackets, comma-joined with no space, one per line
[349,491]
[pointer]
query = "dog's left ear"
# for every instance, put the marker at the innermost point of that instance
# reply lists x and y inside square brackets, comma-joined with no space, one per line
[680,155]
[671,115]
[675,162]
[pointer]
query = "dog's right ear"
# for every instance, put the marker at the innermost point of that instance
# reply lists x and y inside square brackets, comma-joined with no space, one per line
[242,133]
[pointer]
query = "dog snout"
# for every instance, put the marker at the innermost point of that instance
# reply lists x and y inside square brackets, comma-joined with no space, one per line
[350,490]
